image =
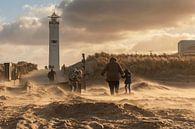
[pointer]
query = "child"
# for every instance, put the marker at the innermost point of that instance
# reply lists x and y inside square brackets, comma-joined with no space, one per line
[127,77]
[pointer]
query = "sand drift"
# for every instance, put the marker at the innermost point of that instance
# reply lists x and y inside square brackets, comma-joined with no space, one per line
[150,106]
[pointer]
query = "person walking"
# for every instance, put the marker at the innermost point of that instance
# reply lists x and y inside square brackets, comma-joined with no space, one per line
[127,77]
[113,72]
[51,75]
[75,77]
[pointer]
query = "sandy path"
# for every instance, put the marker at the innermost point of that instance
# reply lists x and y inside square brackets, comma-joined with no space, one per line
[151,106]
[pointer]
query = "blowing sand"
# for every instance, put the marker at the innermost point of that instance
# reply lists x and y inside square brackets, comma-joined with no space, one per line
[150,106]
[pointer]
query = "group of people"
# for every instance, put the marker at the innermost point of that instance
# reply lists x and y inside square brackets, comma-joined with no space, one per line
[75,77]
[113,73]
[75,80]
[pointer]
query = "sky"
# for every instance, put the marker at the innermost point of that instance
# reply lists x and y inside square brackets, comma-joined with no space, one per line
[12,11]
[90,26]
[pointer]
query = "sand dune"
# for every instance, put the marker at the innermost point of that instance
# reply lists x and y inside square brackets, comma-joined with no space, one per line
[40,77]
[150,106]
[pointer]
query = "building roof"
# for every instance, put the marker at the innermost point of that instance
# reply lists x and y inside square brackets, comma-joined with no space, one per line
[54,15]
[186,41]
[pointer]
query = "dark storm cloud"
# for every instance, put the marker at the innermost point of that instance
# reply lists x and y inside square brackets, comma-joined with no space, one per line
[98,21]
[119,15]
[25,32]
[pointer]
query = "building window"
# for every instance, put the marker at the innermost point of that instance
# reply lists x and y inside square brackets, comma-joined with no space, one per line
[54,41]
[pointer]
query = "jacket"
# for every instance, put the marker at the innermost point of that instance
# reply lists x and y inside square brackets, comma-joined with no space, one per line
[127,77]
[113,71]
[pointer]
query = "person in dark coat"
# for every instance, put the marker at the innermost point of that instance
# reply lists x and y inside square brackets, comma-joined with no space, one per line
[51,75]
[113,73]
[127,77]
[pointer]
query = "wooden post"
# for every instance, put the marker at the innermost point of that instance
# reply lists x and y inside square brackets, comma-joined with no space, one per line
[15,75]
[84,71]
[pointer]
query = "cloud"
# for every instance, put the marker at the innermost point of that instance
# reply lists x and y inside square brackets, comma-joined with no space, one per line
[125,15]
[29,29]
[25,31]
[96,21]
[162,43]
[40,11]
[35,54]
[114,26]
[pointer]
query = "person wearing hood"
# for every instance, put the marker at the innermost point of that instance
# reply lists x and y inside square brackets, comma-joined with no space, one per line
[113,72]
[127,77]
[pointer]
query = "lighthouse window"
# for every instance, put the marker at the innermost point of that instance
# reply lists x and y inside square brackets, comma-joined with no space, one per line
[54,41]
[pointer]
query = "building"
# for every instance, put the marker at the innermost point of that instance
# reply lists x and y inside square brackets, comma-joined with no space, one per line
[54,54]
[8,71]
[186,47]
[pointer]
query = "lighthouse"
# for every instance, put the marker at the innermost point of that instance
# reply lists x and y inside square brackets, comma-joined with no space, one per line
[54,53]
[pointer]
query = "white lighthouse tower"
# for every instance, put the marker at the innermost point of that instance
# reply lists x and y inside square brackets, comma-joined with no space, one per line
[54,55]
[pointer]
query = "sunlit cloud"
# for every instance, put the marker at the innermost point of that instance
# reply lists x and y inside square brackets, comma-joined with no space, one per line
[99,25]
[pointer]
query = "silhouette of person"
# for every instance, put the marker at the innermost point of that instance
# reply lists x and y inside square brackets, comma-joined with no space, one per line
[75,79]
[127,77]
[51,75]
[113,71]
[63,68]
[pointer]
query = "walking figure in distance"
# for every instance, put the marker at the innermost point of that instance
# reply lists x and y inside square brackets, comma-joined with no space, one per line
[75,80]
[113,72]
[127,77]
[51,75]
